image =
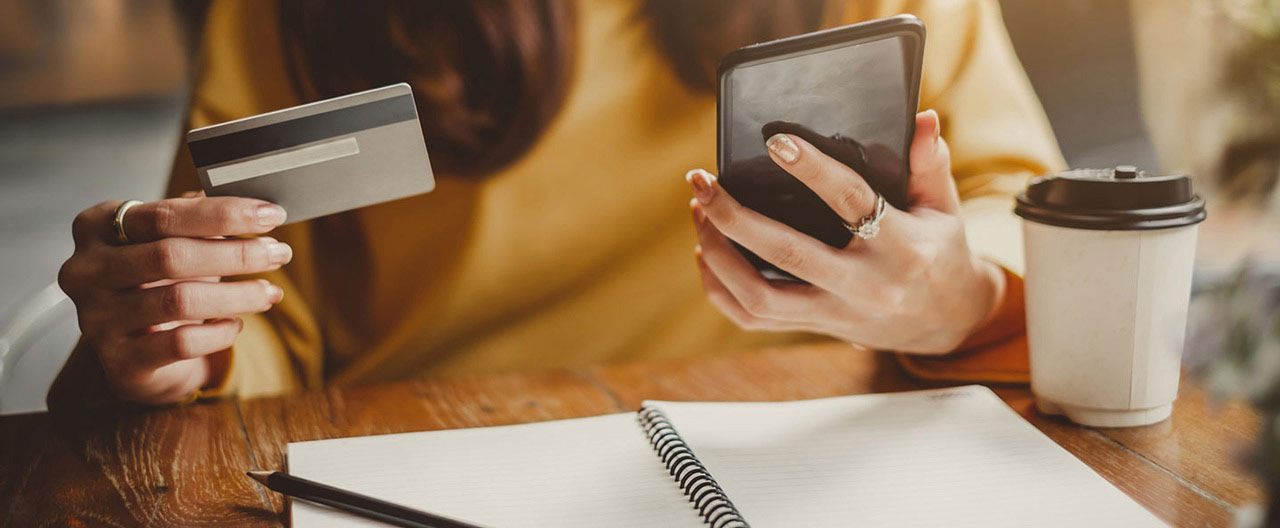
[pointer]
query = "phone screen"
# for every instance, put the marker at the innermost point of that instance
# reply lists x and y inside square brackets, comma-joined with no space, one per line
[853,101]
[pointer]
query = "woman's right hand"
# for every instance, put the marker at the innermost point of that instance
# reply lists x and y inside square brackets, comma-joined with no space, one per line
[155,310]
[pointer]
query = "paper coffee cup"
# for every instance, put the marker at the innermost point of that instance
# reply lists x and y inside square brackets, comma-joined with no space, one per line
[1109,256]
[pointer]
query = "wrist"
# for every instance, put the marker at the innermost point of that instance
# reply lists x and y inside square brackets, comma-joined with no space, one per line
[991,287]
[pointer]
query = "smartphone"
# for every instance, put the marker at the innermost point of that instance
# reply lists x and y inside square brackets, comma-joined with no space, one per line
[851,91]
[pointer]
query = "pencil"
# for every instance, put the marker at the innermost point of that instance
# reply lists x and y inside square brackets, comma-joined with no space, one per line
[362,505]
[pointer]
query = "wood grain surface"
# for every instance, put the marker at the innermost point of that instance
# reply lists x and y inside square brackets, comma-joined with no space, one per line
[184,466]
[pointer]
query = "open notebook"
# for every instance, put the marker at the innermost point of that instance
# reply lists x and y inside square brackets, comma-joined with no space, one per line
[949,457]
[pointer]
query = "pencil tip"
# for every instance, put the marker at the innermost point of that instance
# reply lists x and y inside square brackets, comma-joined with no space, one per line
[260,476]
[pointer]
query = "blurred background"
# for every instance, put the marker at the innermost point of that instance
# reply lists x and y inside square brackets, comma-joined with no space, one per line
[92,94]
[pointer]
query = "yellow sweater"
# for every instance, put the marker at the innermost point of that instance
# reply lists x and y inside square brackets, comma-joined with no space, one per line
[582,251]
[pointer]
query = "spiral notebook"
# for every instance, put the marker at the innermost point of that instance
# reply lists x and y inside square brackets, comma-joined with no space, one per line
[948,457]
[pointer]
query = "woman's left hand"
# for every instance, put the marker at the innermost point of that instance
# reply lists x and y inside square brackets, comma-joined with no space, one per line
[916,287]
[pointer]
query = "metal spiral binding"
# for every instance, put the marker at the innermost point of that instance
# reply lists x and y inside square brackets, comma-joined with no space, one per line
[695,481]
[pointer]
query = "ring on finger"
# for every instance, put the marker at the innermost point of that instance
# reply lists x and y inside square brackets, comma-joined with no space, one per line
[117,223]
[869,226]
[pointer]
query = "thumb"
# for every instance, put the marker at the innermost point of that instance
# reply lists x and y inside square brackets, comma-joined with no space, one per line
[931,184]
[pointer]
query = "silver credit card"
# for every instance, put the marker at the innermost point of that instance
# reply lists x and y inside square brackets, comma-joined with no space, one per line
[319,158]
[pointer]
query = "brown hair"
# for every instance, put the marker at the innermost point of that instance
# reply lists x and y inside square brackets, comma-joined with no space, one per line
[489,75]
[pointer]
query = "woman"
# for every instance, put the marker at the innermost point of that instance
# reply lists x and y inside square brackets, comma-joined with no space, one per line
[559,231]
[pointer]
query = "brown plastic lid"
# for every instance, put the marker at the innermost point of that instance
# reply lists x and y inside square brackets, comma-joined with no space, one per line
[1120,199]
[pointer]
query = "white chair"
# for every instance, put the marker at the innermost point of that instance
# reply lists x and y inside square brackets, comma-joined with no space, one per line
[43,331]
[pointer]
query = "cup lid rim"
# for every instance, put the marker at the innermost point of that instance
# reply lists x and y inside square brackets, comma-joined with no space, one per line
[1122,198]
[1184,214]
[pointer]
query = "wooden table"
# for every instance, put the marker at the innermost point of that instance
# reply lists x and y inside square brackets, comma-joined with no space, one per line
[185,466]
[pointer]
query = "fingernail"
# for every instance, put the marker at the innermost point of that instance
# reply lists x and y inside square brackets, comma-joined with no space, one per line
[782,147]
[703,184]
[278,253]
[270,215]
[937,124]
[699,215]
[274,293]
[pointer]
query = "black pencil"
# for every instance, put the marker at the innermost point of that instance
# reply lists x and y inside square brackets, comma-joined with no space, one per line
[362,505]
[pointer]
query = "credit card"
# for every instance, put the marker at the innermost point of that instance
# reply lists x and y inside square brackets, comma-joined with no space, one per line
[319,158]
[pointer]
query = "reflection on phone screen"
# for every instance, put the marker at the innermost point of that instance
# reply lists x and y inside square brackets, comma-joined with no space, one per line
[848,100]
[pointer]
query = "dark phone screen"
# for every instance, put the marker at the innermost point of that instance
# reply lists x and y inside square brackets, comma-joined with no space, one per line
[849,100]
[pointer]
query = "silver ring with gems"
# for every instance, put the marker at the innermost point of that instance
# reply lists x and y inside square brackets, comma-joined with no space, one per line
[869,226]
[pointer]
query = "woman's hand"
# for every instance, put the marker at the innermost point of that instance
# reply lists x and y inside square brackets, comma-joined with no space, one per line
[155,311]
[916,287]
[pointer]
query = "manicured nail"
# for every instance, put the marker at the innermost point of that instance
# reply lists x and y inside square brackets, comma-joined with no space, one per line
[270,215]
[703,184]
[278,253]
[274,293]
[782,147]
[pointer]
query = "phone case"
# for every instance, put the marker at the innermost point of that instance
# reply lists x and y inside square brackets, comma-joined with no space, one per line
[817,219]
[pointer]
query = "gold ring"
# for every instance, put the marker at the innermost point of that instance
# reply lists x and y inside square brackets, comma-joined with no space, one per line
[118,222]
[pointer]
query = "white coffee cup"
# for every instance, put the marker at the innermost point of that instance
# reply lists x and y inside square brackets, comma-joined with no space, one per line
[1109,256]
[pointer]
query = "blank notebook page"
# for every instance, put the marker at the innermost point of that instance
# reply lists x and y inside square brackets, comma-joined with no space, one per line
[587,472]
[952,457]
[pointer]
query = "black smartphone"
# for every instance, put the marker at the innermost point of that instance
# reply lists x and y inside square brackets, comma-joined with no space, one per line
[851,91]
